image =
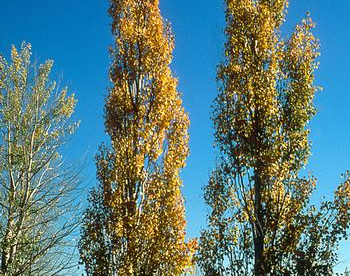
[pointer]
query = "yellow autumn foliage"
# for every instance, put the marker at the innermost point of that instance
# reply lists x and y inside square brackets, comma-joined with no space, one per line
[148,127]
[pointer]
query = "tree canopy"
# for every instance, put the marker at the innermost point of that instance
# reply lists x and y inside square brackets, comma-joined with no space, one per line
[261,221]
[135,224]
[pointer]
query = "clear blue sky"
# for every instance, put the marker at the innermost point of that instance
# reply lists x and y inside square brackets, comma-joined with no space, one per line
[76,34]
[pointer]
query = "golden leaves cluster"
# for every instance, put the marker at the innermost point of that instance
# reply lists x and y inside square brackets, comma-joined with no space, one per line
[148,127]
[261,115]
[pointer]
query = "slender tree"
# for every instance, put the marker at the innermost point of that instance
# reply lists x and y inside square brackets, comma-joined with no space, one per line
[38,211]
[135,223]
[261,221]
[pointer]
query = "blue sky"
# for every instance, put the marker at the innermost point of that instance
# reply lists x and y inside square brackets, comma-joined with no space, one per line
[76,35]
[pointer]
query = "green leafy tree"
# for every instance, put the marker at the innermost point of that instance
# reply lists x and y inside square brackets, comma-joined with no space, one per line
[38,212]
[135,223]
[261,221]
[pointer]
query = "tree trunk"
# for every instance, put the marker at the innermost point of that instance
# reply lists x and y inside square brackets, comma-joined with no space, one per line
[259,230]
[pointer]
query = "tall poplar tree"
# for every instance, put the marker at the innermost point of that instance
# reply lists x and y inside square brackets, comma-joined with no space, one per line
[260,221]
[135,222]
